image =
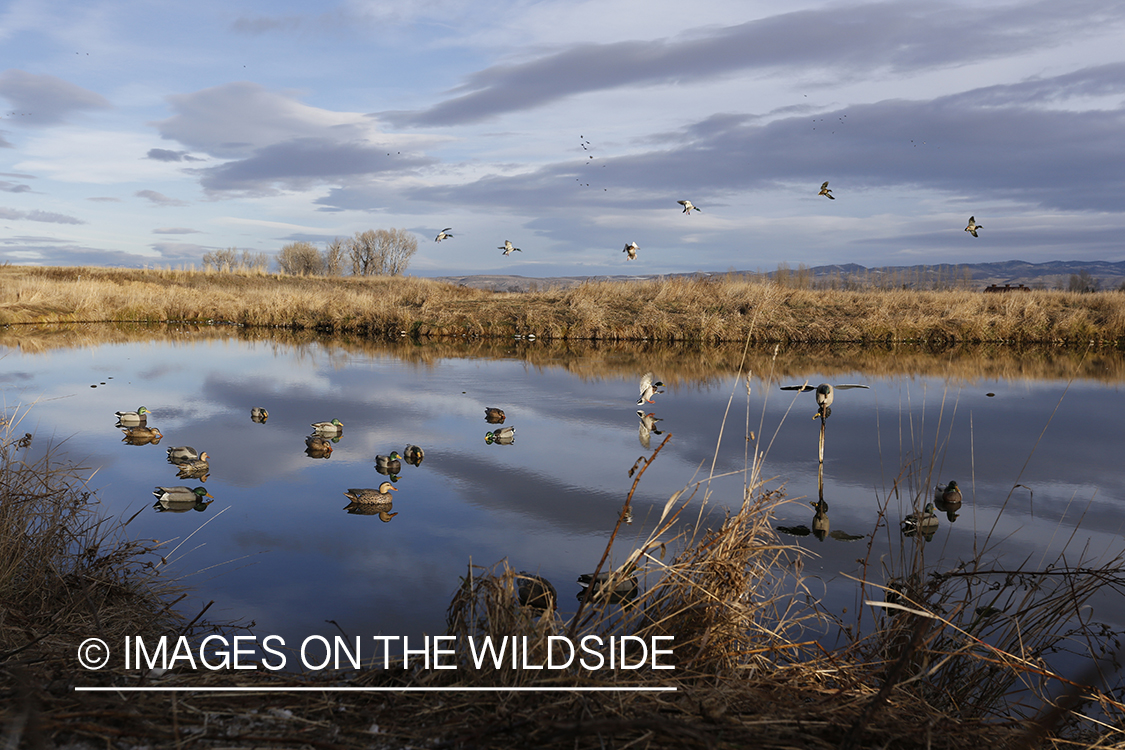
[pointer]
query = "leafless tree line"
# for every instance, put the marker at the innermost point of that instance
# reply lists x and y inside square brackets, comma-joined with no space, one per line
[376,252]
[232,259]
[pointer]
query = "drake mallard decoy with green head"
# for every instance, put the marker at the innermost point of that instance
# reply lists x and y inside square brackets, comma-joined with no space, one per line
[335,427]
[413,455]
[259,415]
[391,464]
[502,435]
[923,524]
[180,494]
[825,395]
[141,435]
[536,592]
[648,389]
[133,417]
[492,415]
[368,496]
[948,499]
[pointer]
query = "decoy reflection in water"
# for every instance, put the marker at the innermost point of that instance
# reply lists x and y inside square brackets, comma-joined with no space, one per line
[492,415]
[180,499]
[820,522]
[948,499]
[648,389]
[617,585]
[825,395]
[413,455]
[503,436]
[259,415]
[133,417]
[335,427]
[366,501]
[180,453]
[389,465]
[536,592]
[924,524]
[647,428]
[318,447]
[140,435]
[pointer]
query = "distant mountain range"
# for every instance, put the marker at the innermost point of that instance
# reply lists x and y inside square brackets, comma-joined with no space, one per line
[1055,274]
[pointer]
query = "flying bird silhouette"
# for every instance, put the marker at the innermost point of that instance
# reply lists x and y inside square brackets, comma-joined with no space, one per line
[443,235]
[688,207]
[631,249]
[973,226]
[508,248]
[826,192]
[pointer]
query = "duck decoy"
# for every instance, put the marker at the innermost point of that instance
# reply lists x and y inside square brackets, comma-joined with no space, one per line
[180,453]
[390,465]
[820,521]
[335,427]
[492,415]
[368,496]
[318,447]
[141,435]
[688,206]
[133,417]
[508,248]
[923,524]
[195,468]
[621,588]
[502,435]
[648,428]
[259,415]
[826,192]
[444,235]
[648,389]
[180,494]
[973,226]
[536,592]
[413,455]
[825,395]
[948,499]
[631,249]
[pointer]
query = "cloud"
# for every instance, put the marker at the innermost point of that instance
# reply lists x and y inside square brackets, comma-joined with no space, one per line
[11,187]
[163,154]
[836,43]
[159,198]
[37,215]
[104,199]
[174,230]
[47,99]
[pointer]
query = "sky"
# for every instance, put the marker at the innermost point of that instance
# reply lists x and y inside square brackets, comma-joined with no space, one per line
[146,134]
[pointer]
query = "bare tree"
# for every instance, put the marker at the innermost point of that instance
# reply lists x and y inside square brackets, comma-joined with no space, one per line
[363,251]
[401,246]
[300,259]
[381,252]
[220,260]
[332,259]
[257,262]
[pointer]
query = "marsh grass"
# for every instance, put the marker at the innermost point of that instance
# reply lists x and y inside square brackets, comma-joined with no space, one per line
[713,309]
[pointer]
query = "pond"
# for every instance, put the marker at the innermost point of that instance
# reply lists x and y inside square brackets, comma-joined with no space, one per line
[1032,438]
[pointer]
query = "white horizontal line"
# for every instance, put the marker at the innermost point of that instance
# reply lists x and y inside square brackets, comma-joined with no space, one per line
[275,689]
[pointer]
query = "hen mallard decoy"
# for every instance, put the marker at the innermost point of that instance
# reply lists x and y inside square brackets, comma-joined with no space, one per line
[924,523]
[141,435]
[825,395]
[376,497]
[647,428]
[413,455]
[826,192]
[631,249]
[180,453]
[195,467]
[180,494]
[688,206]
[508,248]
[133,417]
[973,226]
[536,592]
[259,415]
[648,389]
[502,435]
[391,464]
[492,415]
[335,427]
[444,235]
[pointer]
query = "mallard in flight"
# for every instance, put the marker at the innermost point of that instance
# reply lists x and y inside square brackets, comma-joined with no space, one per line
[826,192]
[508,248]
[825,395]
[688,207]
[443,235]
[631,249]
[973,226]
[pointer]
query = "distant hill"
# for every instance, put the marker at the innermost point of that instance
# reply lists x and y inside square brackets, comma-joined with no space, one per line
[1055,274]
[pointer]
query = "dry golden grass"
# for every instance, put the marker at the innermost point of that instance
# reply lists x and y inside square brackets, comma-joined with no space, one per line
[701,310]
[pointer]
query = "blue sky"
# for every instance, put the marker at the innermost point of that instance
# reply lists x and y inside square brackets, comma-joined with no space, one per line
[139,133]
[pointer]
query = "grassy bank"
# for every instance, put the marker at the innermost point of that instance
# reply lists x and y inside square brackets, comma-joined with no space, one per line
[704,310]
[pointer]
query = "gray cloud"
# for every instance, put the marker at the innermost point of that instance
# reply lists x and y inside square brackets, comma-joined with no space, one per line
[4,143]
[838,42]
[104,199]
[11,187]
[45,98]
[32,250]
[163,154]
[159,198]
[175,230]
[37,215]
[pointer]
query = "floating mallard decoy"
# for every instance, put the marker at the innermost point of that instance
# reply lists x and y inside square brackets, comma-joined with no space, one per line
[391,464]
[443,235]
[948,499]
[335,427]
[631,249]
[820,521]
[367,496]
[141,435]
[508,248]
[502,435]
[825,191]
[195,468]
[825,394]
[492,415]
[648,428]
[688,207]
[133,417]
[180,494]
[413,455]
[648,389]
[180,453]
[923,524]
[536,592]
[259,415]
[318,447]
[624,587]
[973,226]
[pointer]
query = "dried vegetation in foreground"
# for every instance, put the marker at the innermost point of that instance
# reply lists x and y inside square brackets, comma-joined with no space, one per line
[715,309]
[931,672]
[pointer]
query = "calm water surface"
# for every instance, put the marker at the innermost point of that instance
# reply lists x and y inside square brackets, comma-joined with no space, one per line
[276,547]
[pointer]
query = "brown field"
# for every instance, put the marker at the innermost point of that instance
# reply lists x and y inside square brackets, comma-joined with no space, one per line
[728,309]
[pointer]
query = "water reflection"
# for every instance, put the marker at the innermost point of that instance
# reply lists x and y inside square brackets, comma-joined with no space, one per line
[279,551]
